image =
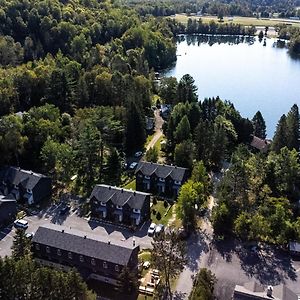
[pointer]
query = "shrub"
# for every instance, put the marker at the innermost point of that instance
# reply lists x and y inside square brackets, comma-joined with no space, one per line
[158,216]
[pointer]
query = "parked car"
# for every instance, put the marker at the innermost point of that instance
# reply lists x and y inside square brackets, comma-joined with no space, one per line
[151,229]
[29,235]
[138,154]
[159,229]
[20,223]
[64,210]
[133,165]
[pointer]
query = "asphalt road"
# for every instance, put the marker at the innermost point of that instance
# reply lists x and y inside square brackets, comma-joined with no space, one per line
[113,233]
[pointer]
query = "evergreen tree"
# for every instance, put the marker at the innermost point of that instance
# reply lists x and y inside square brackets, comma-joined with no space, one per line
[183,155]
[114,168]
[128,280]
[21,245]
[135,133]
[259,125]
[280,139]
[293,128]
[183,130]
[187,90]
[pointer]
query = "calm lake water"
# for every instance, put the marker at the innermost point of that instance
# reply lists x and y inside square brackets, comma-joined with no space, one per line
[252,76]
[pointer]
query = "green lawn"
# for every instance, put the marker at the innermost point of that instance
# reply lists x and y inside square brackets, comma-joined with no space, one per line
[159,207]
[246,21]
[130,185]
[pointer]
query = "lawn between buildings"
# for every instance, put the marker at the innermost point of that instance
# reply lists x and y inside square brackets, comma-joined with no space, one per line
[246,21]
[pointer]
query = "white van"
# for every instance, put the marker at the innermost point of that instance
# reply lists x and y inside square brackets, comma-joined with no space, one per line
[21,224]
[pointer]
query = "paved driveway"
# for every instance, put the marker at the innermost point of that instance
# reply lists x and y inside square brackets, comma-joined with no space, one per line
[72,220]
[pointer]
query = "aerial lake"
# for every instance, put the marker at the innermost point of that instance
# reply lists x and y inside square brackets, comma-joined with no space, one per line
[251,75]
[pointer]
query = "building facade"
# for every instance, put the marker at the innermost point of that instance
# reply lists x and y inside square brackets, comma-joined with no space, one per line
[65,248]
[25,186]
[119,205]
[8,210]
[160,179]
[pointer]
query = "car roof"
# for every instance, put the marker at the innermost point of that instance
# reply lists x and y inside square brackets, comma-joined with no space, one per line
[22,221]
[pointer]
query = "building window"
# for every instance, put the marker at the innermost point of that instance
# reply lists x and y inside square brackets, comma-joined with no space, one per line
[162,179]
[117,268]
[37,246]
[93,262]
[135,210]
[105,265]
[70,255]
[58,252]
[147,177]
[119,207]
[103,204]
[48,249]
[81,258]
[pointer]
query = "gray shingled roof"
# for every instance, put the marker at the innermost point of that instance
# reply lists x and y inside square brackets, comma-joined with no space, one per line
[17,176]
[119,196]
[162,171]
[74,241]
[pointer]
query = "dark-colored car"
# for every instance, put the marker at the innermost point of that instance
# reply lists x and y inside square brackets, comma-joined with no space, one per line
[64,210]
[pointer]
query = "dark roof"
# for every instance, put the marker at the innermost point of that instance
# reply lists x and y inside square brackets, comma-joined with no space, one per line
[6,199]
[81,243]
[259,143]
[162,171]
[119,196]
[16,176]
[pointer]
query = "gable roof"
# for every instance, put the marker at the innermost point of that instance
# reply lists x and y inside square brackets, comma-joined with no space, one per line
[119,196]
[81,243]
[260,144]
[162,171]
[254,290]
[16,176]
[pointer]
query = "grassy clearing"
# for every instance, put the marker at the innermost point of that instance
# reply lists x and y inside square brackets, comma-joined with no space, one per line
[130,185]
[246,21]
[162,214]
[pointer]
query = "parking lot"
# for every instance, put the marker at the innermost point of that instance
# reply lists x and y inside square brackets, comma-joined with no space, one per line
[106,231]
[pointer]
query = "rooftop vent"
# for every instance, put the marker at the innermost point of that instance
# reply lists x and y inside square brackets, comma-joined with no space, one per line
[109,187]
[63,231]
[134,193]
[84,237]
[108,242]
[122,190]
[270,291]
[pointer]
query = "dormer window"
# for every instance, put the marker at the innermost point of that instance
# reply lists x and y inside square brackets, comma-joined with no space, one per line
[119,207]
[177,182]
[162,179]
[103,203]
[135,210]
[147,177]
[29,191]
[58,252]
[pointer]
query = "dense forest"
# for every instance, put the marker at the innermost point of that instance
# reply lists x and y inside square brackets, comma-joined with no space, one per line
[261,8]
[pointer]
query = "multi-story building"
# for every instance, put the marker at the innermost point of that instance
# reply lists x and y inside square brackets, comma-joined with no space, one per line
[65,248]
[25,185]
[119,205]
[160,179]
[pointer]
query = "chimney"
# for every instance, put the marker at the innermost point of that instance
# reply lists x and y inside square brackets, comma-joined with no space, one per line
[134,193]
[63,231]
[270,291]
[109,187]
[84,237]
[122,190]
[108,242]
